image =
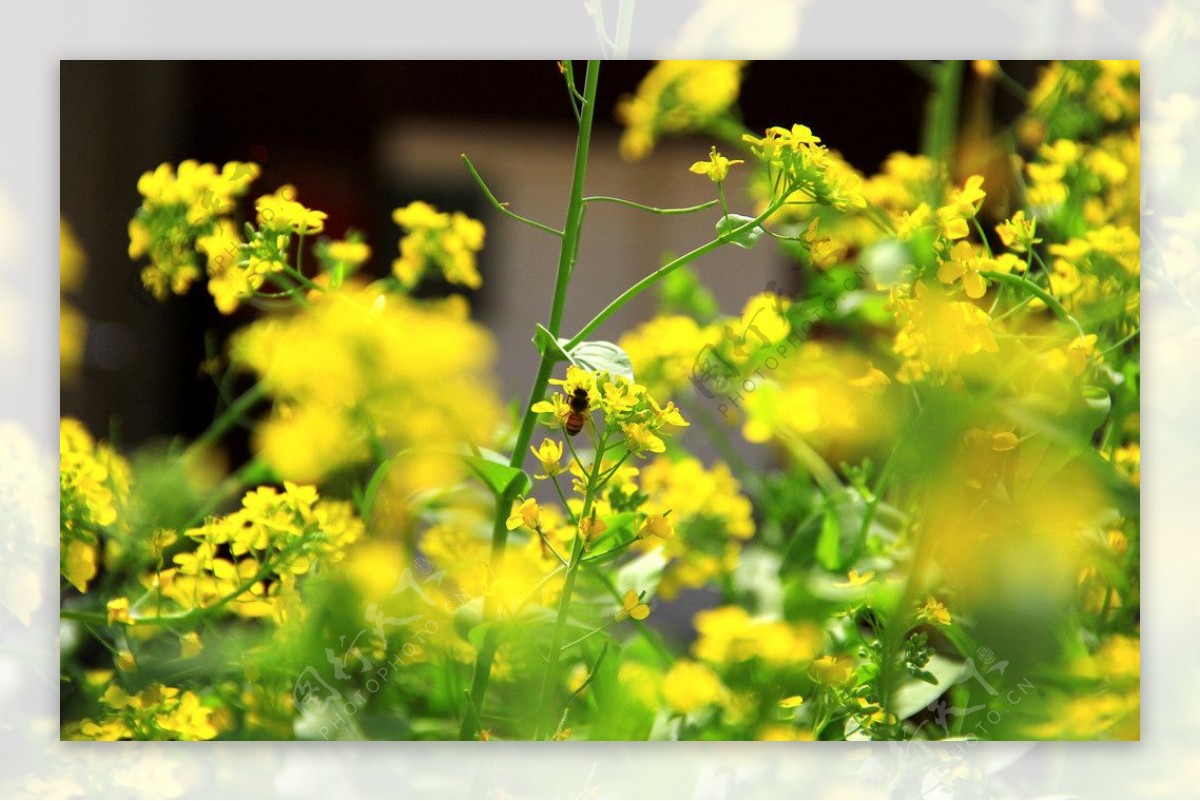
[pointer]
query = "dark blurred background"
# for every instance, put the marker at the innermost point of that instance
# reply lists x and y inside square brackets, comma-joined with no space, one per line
[358,139]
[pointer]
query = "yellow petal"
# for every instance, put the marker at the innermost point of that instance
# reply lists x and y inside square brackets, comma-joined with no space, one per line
[975,285]
[950,271]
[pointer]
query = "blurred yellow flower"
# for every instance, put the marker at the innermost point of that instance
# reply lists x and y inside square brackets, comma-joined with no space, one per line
[832,670]
[690,686]
[934,611]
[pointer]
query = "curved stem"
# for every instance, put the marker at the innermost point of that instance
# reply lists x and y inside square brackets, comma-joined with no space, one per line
[661,273]
[1036,291]
[652,209]
[501,207]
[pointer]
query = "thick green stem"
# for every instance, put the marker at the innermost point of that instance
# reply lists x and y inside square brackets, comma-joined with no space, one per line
[566,260]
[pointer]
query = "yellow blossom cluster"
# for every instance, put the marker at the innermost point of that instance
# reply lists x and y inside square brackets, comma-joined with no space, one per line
[445,242]
[624,405]
[178,207]
[156,712]
[1075,98]
[248,560]
[710,516]
[796,161]
[94,488]
[361,367]
[676,97]
[729,635]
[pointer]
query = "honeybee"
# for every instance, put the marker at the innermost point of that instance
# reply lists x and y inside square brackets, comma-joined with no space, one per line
[577,416]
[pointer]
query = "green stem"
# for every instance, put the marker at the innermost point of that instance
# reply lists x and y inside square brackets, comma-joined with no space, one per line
[1036,291]
[471,722]
[661,273]
[503,207]
[566,260]
[228,419]
[1121,341]
[652,209]
[564,602]
[941,122]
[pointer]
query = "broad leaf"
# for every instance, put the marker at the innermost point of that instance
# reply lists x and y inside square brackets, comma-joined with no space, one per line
[602,356]
[545,342]
[726,226]
[494,471]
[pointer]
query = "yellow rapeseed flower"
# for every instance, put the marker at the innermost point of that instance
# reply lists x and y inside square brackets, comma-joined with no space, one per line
[524,513]
[633,607]
[690,686]
[716,168]
[550,454]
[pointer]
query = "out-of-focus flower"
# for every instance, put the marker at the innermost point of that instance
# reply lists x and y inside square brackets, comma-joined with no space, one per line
[448,243]
[676,97]
[690,686]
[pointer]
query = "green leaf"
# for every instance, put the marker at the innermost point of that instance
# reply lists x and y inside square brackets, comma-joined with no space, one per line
[547,345]
[602,356]
[829,541]
[745,239]
[494,471]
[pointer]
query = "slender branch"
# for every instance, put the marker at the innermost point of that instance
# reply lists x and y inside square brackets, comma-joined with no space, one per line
[661,273]
[652,209]
[503,207]
[229,418]
[568,73]
[1036,291]
[564,603]
[1120,342]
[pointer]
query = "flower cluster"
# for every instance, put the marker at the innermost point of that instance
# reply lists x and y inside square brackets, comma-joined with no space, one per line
[796,161]
[710,516]
[439,241]
[359,367]
[248,560]
[156,712]
[94,489]
[626,407]
[177,209]
[677,97]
